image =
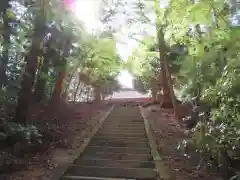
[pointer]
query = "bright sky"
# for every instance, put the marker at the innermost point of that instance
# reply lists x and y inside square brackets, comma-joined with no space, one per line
[126,79]
[86,11]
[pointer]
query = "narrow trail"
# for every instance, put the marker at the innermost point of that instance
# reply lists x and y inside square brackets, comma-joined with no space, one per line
[119,150]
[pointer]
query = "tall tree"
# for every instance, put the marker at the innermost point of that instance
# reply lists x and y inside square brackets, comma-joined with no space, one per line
[6,13]
[62,72]
[25,93]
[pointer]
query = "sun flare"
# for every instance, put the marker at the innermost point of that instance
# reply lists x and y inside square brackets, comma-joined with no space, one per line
[87,11]
[125,79]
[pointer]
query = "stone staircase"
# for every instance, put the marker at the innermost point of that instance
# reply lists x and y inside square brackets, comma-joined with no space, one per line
[119,150]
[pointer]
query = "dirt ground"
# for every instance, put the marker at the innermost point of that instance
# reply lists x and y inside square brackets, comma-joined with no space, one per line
[73,122]
[168,133]
[70,124]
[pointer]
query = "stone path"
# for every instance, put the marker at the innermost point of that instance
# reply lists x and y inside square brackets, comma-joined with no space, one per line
[119,150]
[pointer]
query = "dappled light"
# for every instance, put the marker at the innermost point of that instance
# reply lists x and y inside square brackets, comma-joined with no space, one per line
[129,94]
[103,89]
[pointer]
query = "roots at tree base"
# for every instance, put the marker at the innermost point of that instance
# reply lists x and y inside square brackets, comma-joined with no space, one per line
[151,103]
[166,102]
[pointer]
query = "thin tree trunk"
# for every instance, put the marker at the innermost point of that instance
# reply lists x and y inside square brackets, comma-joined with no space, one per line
[75,94]
[103,94]
[81,90]
[154,94]
[74,71]
[42,80]
[170,85]
[97,93]
[88,89]
[43,72]
[153,90]
[166,101]
[58,87]
[6,45]
[25,93]
[70,78]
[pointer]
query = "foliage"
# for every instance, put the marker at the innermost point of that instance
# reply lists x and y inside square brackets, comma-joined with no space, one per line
[209,72]
[47,55]
[142,64]
[46,52]
[16,132]
[43,27]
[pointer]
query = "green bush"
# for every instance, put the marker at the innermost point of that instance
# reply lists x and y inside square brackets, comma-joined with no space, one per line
[16,132]
[218,140]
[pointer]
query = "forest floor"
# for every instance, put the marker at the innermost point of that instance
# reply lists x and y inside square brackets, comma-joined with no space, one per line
[168,132]
[71,123]
[65,129]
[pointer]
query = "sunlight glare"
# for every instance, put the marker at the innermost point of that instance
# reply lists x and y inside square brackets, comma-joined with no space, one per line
[125,79]
[86,11]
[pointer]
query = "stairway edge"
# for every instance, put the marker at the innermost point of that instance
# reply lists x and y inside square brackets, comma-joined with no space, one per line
[163,170]
[62,168]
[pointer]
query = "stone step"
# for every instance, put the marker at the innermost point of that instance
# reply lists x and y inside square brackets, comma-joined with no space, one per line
[128,120]
[119,143]
[138,173]
[109,149]
[115,130]
[139,135]
[116,163]
[118,151]
[91,178]
[122,124]
[128,125]
[125,118]
[128,139]
[124,128]
[115,156]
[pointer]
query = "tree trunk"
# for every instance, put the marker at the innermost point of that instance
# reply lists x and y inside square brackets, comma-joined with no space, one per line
[25,93]
[58,86]
[153,90]
[166,101]
[39,93]
[6,45]
[42,80]
[75,94]
[166,91]
[56,96]
[74,71]
[97,94]
[88,89]
[71,76]
[168,97]
[170,85]
[154,94]
[80,93]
